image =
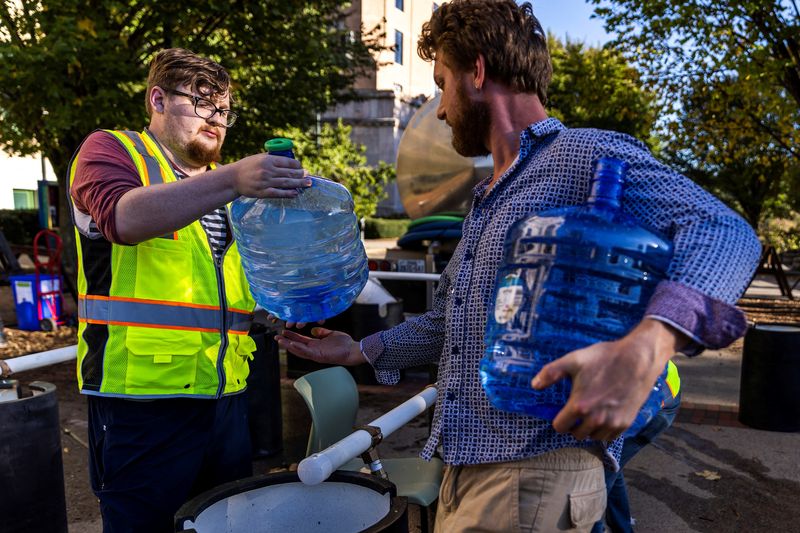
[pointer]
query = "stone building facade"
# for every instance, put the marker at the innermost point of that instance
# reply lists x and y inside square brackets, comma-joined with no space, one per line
[399,83]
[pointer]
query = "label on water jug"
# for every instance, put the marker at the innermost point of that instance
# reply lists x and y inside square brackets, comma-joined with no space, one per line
[509,298]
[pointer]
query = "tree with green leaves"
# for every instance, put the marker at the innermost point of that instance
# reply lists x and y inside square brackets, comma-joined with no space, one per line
[598,88]
[72,66]
[678,42]
[729,74]
[332,154]
[713,141]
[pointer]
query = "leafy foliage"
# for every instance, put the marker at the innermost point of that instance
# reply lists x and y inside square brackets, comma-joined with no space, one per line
[784,235]
[385,228]
[19,226]
[678,41]
[332,154]
[728,73]
[598,88]
[714,141]
[72,66]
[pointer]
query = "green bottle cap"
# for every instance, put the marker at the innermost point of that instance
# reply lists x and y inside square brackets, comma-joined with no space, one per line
[278,144]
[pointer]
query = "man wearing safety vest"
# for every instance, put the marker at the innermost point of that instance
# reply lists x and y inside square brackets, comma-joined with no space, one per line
[618,511]
[164,307]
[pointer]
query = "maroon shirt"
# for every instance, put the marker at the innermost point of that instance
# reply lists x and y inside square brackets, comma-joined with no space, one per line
[104,173]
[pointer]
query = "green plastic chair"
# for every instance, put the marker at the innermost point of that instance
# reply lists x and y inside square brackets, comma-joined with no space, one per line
[332,398]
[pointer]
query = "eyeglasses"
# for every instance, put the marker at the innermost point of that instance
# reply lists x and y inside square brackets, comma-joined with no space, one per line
[206,109]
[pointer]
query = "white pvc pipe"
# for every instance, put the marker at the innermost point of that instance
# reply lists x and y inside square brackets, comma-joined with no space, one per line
[407,276]
[316,468]
[37,360]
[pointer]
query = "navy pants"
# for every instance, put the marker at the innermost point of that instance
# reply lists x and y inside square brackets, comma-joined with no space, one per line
[147,458]
[618,511]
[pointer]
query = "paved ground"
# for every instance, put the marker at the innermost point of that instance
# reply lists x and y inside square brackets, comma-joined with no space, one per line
[707,473]
[708,477]
[82,509]
[710,473]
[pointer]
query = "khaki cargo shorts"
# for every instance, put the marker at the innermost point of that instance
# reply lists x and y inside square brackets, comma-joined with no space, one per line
[563,490]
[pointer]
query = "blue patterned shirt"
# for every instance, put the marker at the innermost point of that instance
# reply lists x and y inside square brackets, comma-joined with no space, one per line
[715,254]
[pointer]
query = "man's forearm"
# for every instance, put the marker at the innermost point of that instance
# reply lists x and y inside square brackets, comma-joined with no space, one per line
[147,212]
[667,340]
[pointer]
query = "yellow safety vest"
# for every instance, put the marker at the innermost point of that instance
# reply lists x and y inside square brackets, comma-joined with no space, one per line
[673,379]
[162,318]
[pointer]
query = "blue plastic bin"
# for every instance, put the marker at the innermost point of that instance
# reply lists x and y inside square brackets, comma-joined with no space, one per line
[28,297]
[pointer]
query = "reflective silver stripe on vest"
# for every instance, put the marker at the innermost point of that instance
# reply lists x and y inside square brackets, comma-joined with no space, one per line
[239,321]
[150,163]
[153,168]
[148,314]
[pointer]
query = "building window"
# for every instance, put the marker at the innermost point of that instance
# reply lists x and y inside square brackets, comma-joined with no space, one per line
[24,199]
[398,4]
[398,47]
[435,6]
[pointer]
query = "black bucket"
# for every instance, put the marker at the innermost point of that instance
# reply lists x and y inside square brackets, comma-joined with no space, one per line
[31,469]
[264,395]
[366,319]
[768,397]
[346,502]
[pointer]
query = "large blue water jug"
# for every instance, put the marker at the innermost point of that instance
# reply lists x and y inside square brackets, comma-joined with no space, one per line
[570,277]
[303,256]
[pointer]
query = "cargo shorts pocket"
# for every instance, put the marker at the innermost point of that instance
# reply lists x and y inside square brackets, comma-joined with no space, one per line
[586,508]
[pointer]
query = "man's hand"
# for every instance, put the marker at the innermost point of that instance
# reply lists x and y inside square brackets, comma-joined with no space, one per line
[299,325]
[611,380]
[331,347]
[268,176]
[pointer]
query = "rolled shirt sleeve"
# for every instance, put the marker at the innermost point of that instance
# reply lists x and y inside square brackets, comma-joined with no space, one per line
[104,173]
[715,251]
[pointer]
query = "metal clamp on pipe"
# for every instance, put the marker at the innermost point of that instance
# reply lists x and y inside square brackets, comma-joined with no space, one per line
[374,432]
[370,456]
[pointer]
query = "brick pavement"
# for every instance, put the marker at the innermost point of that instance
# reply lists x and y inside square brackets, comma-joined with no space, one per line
[710,415]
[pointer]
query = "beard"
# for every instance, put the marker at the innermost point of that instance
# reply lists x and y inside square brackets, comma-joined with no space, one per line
[470,126]
[201,155]
[193,152]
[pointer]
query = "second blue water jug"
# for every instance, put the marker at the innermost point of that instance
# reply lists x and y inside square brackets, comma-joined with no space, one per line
[570,277]
[303,256]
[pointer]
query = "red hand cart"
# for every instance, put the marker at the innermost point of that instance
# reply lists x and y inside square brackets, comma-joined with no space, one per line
[47,261]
